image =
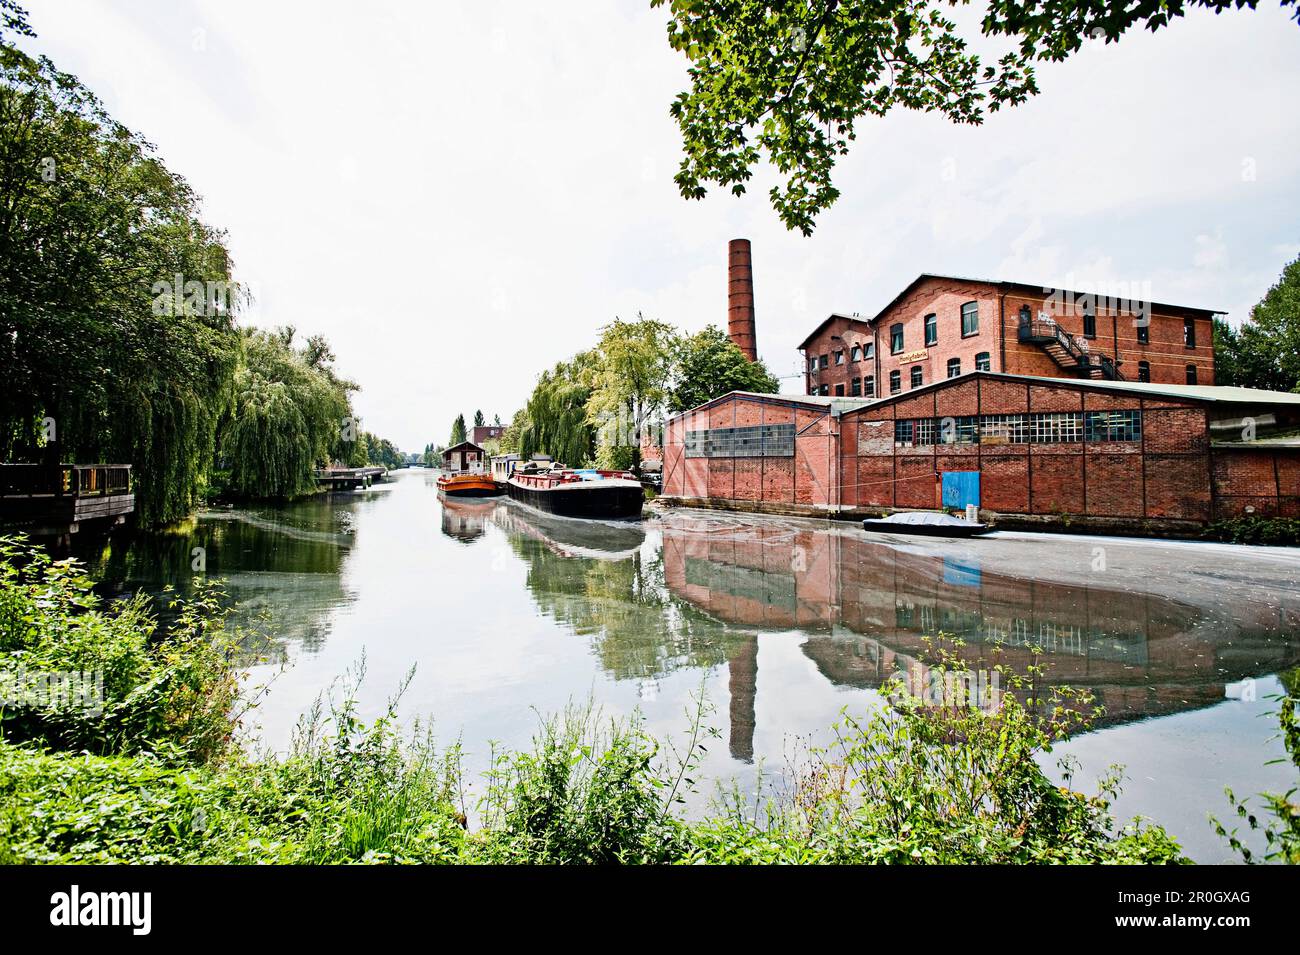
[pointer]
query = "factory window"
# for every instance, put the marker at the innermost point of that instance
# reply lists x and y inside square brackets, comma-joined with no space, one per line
[1113,426]
[856,353]
[963,430]
[1189,332]
[1056,428]
[954,367]
[982,362]
[970,319]
[1191,374]
[823,362]
[931,329]
[924,432]
[904,432]
[855,386]
[917,376]
[1144,330]
[826,390]
[839,357]
[1089,325]
[1144,371]
[812,363]
[895,339]
[895,382]
[869,386]
[869,350]
[1004,429]
[756,441]
[839,391]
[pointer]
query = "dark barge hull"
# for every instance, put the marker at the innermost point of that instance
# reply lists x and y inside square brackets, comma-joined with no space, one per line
[588,500]
[924,530]
[469,492]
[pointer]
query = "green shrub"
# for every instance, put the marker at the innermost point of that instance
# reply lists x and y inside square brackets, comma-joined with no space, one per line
[171,690]
[587,792]
[920,782]
[1272,531]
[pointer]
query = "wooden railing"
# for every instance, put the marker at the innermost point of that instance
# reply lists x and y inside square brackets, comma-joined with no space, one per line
[64,480]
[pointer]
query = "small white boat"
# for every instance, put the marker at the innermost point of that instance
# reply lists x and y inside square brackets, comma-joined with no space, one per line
[926,524]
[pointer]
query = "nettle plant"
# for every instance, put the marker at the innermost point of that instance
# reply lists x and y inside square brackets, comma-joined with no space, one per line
[920,781]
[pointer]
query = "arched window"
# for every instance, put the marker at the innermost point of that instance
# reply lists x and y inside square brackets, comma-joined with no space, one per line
[982,362]
[931,329]
[895,382]
[917,376]
[869,386]
[954,367]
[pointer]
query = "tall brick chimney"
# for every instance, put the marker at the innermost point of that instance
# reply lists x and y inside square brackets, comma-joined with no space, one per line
[740,298]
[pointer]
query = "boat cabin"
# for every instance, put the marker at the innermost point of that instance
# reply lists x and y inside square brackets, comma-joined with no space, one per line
[466,457]
[504,465]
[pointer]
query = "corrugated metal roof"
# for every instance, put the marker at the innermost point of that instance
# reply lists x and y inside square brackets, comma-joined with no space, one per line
[1198,392]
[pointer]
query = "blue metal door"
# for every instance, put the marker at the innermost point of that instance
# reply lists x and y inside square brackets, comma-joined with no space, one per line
[961,488]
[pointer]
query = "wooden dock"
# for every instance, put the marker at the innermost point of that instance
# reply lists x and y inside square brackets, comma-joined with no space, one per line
[55,500]
[349,479]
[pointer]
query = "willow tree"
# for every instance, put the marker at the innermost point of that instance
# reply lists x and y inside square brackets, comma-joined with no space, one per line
[116,301]
[555,420]
[288,414]
[630,381]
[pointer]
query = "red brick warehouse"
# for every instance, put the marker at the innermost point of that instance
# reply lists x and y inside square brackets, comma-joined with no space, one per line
[1109,454]
[941,326]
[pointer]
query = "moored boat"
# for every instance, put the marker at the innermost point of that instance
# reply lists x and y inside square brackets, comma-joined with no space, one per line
[926,524]
[463,473]
[467,485]
[577,493]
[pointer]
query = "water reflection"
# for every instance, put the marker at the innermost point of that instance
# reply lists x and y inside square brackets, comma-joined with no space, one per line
[867,606]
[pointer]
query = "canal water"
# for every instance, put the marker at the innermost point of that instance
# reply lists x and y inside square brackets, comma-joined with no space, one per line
[506,613]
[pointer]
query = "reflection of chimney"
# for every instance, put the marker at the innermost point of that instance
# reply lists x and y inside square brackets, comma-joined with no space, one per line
[743,685]
[740,298]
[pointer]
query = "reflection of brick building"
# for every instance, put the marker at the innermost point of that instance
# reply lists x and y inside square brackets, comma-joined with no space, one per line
[940,326]
[1112,453]
[867,607]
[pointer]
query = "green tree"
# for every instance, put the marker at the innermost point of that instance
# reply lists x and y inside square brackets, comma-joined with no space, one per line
[478,419]
[458,430]
[555,420]
[708,364]
[1265,351]
[117,301]
[629,386]
[790,79]
[289,413]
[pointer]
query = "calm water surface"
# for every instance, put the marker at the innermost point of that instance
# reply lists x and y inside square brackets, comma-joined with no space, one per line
[506,613]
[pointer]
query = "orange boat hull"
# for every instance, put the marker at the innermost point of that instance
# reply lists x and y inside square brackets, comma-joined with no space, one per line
[468,485]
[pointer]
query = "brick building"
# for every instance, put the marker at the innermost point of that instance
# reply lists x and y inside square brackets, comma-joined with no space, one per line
[486,432]
[940,326]
[1029,449]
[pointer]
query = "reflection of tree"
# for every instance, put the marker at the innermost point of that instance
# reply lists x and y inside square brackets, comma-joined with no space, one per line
[288,559]
[636,627]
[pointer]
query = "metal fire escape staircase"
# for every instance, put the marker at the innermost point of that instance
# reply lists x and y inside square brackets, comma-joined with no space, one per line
[1067,351]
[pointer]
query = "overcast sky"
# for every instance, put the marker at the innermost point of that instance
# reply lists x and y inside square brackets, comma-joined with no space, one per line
[459,195]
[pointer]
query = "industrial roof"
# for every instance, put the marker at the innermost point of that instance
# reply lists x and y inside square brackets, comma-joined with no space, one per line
[1215,393]
[1026,286]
